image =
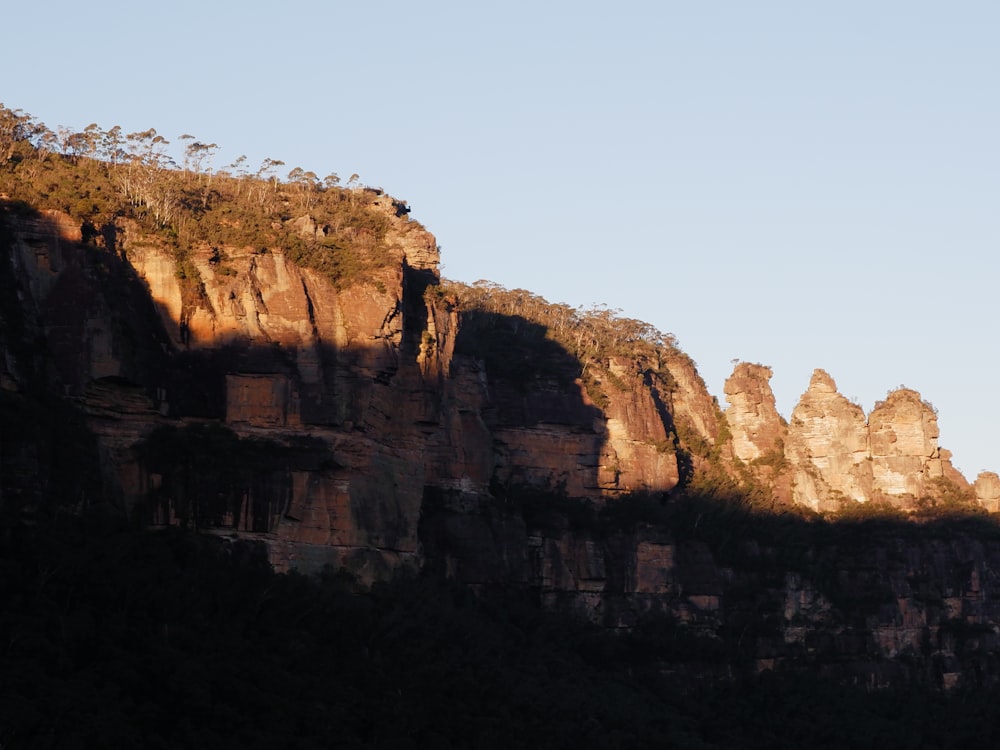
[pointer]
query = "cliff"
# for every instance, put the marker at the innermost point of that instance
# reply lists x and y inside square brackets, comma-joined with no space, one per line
[378,419]
[380,375]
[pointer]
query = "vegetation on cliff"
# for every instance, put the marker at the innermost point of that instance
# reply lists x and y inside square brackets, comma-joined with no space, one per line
[100,177]
[524,339]
[112,635]
[592,336]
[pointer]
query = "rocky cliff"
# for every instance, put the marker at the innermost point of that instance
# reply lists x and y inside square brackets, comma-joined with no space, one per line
[391,421]
[378,373]
[834,455]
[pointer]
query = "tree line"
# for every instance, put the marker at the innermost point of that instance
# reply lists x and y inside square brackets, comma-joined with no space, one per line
[98,175]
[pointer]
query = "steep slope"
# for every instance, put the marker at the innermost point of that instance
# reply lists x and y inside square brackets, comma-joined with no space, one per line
[287,367]
[391,384]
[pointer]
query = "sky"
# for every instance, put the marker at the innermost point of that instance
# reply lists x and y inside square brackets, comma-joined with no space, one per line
[801,183]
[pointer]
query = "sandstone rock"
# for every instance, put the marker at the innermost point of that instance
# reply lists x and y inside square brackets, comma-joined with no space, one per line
[828,448]
[836,456]
[304,226]
[689,399]
[904,432]
[266,400]
[412,444]
[159,270]
[757,428]
[638,453]
[987,487]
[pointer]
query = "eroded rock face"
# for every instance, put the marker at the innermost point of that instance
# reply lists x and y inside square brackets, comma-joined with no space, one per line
[835,455]
[370,371]
[638,455]
[904,449]
[828,448]
[987,488]
[406,453]
[892,610]
[757,428]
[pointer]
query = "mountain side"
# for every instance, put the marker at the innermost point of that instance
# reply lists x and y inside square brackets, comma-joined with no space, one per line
[382,376]
[280,362]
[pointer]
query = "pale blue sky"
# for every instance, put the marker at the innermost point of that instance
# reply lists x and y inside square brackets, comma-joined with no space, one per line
[802,184]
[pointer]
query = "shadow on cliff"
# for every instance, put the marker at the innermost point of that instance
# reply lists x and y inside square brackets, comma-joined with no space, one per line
[97,324]
[534,382]
[78,321]
[81,313]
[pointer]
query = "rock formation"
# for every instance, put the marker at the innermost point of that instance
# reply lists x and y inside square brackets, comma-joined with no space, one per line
[380,375]
[828,448]
[370,371]
[378,425]
[833,454]
[756,427]
[987,489]
[904,450]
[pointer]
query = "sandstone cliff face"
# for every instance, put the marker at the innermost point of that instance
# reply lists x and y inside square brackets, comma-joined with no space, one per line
[638,455]
[987,489]
[370,371]
[366,434]
[904,449]
[756,427]
[828,446]
[832,453]
[891,608]
[375,369]
[758,432]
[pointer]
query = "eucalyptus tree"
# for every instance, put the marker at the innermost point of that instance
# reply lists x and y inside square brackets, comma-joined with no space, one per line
[16,126]
[306,185]
[196,153]
[113,145]
[142,181]
[268,173]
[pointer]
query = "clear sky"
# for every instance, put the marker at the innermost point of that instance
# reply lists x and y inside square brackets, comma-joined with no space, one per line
[797,183]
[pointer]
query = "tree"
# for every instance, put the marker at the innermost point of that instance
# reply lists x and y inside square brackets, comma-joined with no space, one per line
[113,145]
[267,171]
[15,126]
[237,166]
[196,153]
[147,158]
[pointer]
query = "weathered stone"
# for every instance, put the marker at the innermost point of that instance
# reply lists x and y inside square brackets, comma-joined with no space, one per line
[827,447]
[903,431]
[987,487]
[758,430]
[417,456]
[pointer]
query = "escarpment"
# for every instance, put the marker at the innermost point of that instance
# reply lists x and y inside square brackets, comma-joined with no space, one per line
[324,392]
[403,388]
